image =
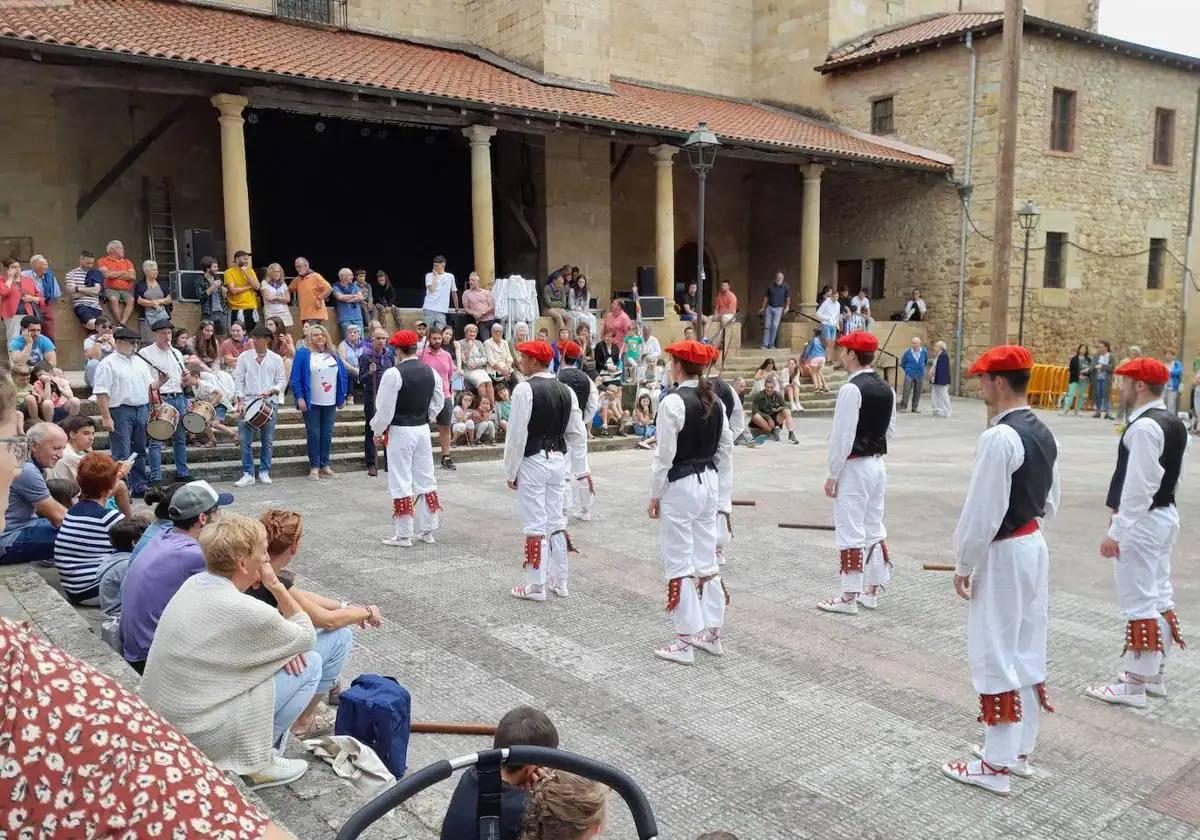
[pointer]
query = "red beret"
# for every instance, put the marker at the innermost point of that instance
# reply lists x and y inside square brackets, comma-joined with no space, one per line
[859,342]
[1150,371]
[571,350]
[1003,358]
[405,338]
[539,350]
[694,351]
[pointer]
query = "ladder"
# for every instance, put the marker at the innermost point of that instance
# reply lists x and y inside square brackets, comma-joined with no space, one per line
[163,246]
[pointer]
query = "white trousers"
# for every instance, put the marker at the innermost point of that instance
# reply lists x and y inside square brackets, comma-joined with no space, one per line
[579,491]
[1006,638]
[941,401]
[688,532]
[858,520]
[1143,582]
[410,474]
[541,485]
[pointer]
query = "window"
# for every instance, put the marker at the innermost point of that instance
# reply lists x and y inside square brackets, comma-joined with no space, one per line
[1164,137]
[1158,261]
[1055,270]
[881,116]
[324,12]
[1062,121]
[878,267]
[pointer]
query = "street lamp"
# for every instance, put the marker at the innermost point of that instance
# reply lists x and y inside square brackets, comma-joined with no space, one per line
[701,147]
[1027,218]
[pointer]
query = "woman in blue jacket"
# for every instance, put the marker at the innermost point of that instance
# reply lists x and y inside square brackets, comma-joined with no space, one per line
[319,383]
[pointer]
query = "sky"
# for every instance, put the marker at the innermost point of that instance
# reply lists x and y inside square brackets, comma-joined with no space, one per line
[1172,25]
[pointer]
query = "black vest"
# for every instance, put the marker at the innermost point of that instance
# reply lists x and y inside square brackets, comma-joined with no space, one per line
[696,447]
[874,416]
[1171,460]
[725,392]
[549,417]
[416,391]
[1032,481]
[577,381]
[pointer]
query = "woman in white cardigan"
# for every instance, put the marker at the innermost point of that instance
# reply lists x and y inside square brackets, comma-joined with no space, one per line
[232,673]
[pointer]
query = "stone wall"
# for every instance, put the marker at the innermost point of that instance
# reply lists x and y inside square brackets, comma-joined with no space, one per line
[578,208]
[514,29]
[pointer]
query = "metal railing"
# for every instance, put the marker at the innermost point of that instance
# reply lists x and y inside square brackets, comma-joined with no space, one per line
[319,12]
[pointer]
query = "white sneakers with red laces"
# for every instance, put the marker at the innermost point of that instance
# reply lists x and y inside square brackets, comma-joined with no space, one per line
[847,605]
[980,774]
[677,651]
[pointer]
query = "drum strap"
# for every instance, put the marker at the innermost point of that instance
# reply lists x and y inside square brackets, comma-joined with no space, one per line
[487,806]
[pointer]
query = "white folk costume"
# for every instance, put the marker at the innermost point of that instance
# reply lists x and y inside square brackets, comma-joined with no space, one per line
[1145,524]
[735,416]
[580,492]
[998,544]
[864,417]
[409,397]
[543,425]
[691,473]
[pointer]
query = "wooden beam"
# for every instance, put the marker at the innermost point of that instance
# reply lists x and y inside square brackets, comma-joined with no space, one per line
[129,158]
[71,77]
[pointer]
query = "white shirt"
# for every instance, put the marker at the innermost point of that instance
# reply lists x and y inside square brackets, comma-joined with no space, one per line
[324,371]
[209,385]
[438,299]
[518,425]
[737,421]
[125,379]
[1000,454]
[389,390]
[911,306]
[829,312]
[252,377]
[651,350]
[862,302]
[845,423]
[671,416]
[275,301]
[170,362]
[1143,472]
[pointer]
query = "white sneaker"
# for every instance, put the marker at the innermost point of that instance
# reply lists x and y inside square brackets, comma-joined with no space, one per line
[1022,768]
[868,602]
[709,641]
[839,605]
[1118,694]
[245,481]
[528,593]
[401,542]
[264,478]
[1154,689]
[427,537]
[678,651]
[585,515]
[974,773]
[281,771]
[560,591]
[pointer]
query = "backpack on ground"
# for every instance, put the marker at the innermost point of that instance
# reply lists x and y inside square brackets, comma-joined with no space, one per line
[377,711]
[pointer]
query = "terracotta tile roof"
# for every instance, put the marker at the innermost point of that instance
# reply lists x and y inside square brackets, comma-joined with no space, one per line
[906,37]
[180,32]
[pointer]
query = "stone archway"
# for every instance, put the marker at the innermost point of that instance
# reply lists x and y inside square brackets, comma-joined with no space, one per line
[685,272]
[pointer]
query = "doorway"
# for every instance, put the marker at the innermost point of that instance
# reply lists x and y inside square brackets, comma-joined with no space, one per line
[685,272]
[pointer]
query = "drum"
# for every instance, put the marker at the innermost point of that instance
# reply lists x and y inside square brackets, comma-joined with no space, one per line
[164,420]
[199,417]
[259,413]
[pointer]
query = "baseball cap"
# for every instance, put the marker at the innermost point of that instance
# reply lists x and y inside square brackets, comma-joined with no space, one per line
[196,498]
[237,254]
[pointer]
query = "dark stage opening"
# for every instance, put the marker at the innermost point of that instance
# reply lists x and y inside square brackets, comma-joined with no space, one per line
[685,272]
[359,195]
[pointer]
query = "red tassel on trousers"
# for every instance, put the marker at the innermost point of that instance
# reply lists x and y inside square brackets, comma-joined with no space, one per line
[1173,623]
[887,558]
[1043,697]
[1142,636]
[673,587]
[591,486]
[402,507]
[432,502]
[533,552]
[1000,708]
[852,560]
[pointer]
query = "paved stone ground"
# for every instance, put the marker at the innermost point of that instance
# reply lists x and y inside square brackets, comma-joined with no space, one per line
[811,725]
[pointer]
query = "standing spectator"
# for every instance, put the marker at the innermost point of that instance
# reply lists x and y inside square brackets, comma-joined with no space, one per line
[914,307]
[241,285]
[119,277]
[1102,369]
[776,301]
[349,349]
[82,540]
[10,298]
[210,288]
[829,313]
[311,290]
[443,364]
[42,275]
[688,305]
[479,304]
[276,296]
[383,293]
[864,305]
[121,387]
[588,360]
[153,301]
[616,320]
[85,282]
[30,347]
[258,377]
[941,381]
[367,305]
[441,295]
[1175,368]
[1078,371]
[499,355]
[320,386]
[770,413]
[97,347]
[375,360]
[554,300]
[913,362]
[724,311]
[168,363]
[579,303]
[348,302]
[33,518]
[234,346]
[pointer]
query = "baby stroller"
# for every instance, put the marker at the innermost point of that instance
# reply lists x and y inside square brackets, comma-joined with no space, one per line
[488,805]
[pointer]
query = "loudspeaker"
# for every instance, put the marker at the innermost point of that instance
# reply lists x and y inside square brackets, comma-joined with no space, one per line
[654,308]
[184,285]
[198,244]
[647,281]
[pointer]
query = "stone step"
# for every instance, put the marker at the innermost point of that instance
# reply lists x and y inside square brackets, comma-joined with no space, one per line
[344,426]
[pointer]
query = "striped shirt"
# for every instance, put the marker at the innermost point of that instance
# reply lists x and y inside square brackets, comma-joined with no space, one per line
[76,280]
[81,544]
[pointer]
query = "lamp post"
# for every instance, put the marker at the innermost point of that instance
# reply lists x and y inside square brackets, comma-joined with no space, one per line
[701,147]
[1027,218]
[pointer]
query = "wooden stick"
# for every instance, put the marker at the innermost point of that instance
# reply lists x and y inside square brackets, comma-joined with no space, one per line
[454,728]
[744,503]
[937,567]
[805,527]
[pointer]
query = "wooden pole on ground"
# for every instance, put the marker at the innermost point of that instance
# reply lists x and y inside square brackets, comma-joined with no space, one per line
[454,728]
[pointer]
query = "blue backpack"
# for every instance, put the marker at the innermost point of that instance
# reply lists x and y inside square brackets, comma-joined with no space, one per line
[377,711]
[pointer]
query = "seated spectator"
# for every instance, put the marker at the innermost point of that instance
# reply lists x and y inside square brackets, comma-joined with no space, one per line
[485,422]
[332,619]
[63,490]
[27,413]
[462,426]
[914,307]
[686,304]
[163,565]
[52,396]
[554,300]
[83,541]
[503,409]
[97,347]
[770,413]
[81,435]
[31,347]
[563,806]
[160,497]
[612,412]
[499,355]
[766,369]
[609,354]
[724,312]
[643,417]
[689,333]
[473,361]
[230,672]
[86,284]
[33,518]
[234,346]
[111,574]
[791,385]
[524,726]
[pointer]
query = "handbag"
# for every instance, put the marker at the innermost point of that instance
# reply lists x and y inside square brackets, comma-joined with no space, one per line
[377,710]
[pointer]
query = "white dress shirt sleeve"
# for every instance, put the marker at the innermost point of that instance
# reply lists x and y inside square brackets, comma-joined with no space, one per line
[385,400]
[891,431]
[725,462]
[845,422]
[576,434]
[593,404]
[1000,454]
[1052,500]
[737,422]
[671,414]
[239,378]
[1143,475]
[437,400]
[518,429]
[102,382]
[279,378]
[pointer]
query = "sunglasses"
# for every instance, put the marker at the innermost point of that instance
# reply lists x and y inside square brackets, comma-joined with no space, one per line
[18,446]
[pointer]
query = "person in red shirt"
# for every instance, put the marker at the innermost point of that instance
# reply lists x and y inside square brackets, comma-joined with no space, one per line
[119,277]
[10,297]
[442,363]
[724,311]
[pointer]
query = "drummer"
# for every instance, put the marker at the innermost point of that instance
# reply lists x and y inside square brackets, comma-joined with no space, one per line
[122,386]
[258,384]
[164,359]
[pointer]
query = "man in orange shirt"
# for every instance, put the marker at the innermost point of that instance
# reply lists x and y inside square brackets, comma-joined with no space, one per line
[311,290]
[724,312]
[119,277]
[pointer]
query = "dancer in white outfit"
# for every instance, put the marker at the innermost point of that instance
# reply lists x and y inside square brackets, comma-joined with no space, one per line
[580,493]
[692,465]
[735,415]
[542,426]
[409,397]
[1142,533]
[1002,569]
[864,417]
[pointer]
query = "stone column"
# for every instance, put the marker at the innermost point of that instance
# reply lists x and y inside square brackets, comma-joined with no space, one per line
[481,201]
[810,236]
[234,188]
[664,220]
